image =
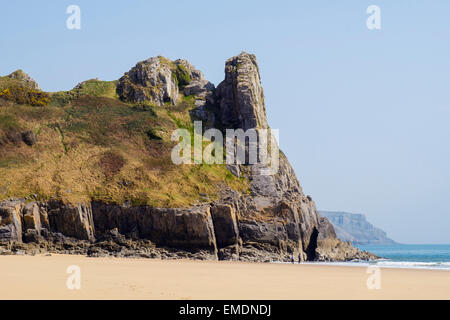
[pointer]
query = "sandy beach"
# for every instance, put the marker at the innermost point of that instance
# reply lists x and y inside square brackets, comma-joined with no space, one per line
[45,277]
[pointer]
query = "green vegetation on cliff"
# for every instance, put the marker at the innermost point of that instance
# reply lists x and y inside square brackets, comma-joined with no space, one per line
[14,89]
[90,145]
[93,87]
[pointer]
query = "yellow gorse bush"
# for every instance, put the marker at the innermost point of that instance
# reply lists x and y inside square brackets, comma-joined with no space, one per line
[24,95]
[5,94]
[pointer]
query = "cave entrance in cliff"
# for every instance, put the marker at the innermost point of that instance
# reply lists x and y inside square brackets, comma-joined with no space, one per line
[311,249]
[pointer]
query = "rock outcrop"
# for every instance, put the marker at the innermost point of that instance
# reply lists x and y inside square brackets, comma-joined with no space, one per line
[10,221]
[356,229]
[159,80]
[241,96]
[274,221]
[25,79]
[190,228]
[150,80]
[100,229]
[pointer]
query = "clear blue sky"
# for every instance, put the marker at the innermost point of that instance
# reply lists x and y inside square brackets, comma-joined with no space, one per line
[363,115]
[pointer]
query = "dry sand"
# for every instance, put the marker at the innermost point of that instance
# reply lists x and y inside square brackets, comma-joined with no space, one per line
[44,277]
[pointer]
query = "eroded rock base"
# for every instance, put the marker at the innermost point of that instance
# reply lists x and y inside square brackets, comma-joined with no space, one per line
[207,232]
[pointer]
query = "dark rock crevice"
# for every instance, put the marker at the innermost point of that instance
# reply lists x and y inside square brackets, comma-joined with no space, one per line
[312,246]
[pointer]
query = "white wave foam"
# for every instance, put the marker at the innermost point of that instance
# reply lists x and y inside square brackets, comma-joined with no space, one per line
[384,263]
[413,264]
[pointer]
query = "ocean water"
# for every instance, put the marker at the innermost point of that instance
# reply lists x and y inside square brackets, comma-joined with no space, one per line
[423,256]
[410,256]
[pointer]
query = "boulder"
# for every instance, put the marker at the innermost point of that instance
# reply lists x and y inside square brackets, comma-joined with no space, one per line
[29,138]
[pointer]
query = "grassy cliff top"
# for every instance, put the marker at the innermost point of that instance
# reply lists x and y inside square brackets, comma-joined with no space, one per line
[91,146]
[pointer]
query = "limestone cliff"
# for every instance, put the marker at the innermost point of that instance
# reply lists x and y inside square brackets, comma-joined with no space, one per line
[356,229]
[240,95]
[272,221]
[278,217]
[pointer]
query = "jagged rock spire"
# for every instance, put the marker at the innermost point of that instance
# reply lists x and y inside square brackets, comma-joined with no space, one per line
[240,104]
[240,95]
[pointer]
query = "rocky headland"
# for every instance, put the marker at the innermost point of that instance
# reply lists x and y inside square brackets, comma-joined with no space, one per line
[355,228]
[81,199]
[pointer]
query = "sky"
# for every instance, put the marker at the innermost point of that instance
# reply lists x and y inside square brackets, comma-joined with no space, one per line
[363,114]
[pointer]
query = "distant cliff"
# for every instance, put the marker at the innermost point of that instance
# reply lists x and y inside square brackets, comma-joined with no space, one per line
[355,228]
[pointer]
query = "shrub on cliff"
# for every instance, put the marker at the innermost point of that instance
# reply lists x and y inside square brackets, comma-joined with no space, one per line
[20,88]
[182,76]
[25,95]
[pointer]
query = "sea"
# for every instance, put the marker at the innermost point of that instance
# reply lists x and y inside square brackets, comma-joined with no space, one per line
[413,256]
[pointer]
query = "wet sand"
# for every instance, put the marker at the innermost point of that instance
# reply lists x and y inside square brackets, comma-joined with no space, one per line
[45,277]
